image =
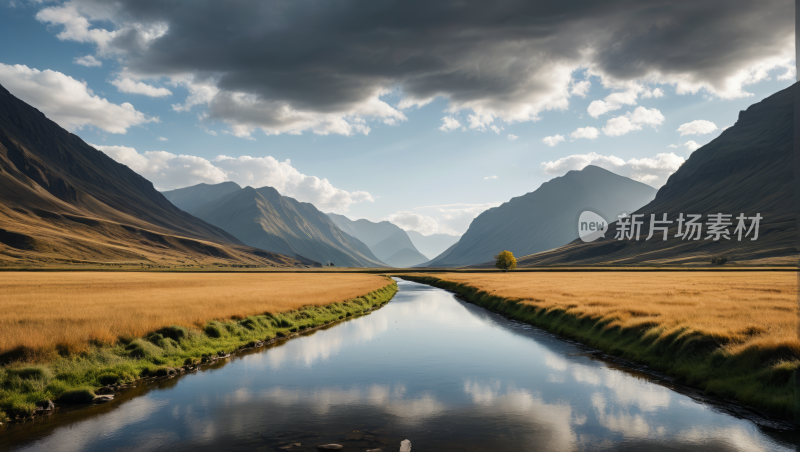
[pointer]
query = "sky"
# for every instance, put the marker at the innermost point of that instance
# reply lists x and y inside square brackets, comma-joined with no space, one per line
[421,113]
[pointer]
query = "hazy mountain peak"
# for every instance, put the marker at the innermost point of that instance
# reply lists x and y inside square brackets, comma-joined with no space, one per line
[264,218]
[547,217]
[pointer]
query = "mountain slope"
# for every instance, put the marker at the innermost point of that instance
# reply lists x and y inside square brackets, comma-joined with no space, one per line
[432,245]
[385,240]
[61,200]
[264,219]
[747,169]
[190,198]
[405,258]
[546,218]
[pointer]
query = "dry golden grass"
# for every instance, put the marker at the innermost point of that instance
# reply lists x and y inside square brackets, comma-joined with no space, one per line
[40,311]
[742,309]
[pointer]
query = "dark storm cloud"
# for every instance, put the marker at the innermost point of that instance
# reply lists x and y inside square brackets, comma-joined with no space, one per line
[511,59]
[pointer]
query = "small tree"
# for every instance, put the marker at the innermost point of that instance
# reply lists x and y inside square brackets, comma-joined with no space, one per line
[505,261]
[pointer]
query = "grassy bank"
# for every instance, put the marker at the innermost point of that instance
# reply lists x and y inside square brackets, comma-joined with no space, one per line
[743,348]
[75,377]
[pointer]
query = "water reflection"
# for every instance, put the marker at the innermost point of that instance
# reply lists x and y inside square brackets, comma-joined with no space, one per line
[446,374]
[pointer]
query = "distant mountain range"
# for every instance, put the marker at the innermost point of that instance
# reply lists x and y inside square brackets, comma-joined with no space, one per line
[264,219]
[63,201]
[388,242]
[748,169]
[432,245]
[545,218]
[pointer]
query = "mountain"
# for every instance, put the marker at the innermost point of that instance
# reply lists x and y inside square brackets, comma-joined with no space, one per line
[189,198]
[63,201]
[748,169]
[432,245]
[264,219]
[546,218]
[388,242]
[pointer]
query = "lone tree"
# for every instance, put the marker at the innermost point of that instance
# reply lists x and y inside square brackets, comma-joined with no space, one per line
[505,261]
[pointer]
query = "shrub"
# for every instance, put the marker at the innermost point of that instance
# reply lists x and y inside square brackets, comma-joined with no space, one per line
[143,349]
[249,323]
[32,373]
[174,332]
[213,331]
[77,396]
[108,379]
[165,372]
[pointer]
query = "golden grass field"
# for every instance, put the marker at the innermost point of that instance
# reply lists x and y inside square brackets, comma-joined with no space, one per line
[72,309]
[742,309]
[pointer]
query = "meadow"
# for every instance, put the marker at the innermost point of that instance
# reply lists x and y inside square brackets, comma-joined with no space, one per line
[63,335]
[45,312]
[733,334]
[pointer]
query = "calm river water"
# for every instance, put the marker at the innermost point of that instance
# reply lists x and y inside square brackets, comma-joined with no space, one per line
[427,367]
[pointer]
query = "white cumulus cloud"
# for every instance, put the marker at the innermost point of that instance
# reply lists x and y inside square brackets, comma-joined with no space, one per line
[581,89]
[449,123]
[585,132]
[161,139]
[672,146]
[698,127]
[88,61]
[691,145]
[633,121]
[67,101]
[168,171]
[512,137]
[613,101]
[653,170]
[453,219]
[411,221]
[130,86]
[553,140]
[655,93]
[489,177]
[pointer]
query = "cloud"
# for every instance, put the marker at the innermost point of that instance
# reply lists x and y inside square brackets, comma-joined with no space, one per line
[411,221]
[553,140]
[335,70]
[452,219]
[489,177]
[581,89]
[585,132]
[88,61]
[161,139]
[449,123]
[168,171]
[698,127]
[655,93]
[512,137]
[68,102]
[692,145]
[130,86]
[653,171]
[613,101]
[672,146]
[633,121]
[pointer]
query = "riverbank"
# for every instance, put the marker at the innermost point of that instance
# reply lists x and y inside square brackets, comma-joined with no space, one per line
[30,377]
[729,335]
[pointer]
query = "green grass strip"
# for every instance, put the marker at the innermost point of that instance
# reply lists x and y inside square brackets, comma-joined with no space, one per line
[73,379]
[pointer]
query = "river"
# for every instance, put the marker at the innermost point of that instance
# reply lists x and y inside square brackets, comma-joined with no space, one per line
[427,367]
